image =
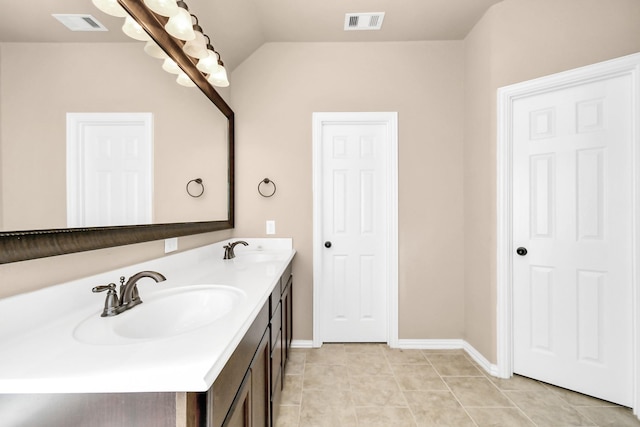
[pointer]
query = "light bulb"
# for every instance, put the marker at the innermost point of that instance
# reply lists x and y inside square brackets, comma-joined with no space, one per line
[219,78]
[152,49]
[180,25]
[170,66]
[134,30]
[184,80]
[208,65]
[196,48]
[166,8]
[110,7]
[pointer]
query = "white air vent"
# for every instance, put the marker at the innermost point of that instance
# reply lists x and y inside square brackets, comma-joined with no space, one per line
[82,22]
[363,21]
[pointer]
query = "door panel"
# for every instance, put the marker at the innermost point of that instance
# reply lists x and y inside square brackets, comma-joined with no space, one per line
[354,221]
[110,169]
[572,206]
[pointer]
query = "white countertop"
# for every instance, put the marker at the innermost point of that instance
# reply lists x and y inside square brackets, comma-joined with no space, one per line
[39,353]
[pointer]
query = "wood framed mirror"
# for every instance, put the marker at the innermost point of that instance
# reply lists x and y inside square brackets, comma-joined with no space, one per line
[20,245]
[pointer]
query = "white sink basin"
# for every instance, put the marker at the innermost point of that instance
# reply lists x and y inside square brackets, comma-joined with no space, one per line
[164,314]
[257,256]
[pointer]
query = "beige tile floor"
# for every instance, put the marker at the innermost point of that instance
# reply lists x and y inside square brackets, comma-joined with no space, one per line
[373,385]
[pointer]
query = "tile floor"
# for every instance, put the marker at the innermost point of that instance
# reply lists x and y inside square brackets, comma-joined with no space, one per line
[373,385]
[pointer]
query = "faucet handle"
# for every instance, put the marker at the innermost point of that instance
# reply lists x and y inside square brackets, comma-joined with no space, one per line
[112,302]
[102,288]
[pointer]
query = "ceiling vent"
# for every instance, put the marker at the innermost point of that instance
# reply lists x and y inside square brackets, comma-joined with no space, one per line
[80,22]
[363,21]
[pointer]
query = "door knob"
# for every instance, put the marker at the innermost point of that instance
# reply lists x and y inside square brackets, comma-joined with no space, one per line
[327,244]
[521,251]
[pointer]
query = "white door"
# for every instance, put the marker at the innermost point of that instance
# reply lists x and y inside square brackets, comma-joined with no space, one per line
[572,212]
[110,169]
[354,224]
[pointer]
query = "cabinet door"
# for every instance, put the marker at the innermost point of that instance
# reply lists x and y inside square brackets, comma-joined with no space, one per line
[240,413]
[260,384]
[287,320]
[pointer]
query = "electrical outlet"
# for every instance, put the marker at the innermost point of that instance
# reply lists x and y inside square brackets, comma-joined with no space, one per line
[170,245]
[271,226]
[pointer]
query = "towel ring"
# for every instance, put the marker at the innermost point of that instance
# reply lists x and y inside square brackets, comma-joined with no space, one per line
[197,181]
[266,181]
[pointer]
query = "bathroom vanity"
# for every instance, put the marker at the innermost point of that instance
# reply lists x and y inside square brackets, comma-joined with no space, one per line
[62,364]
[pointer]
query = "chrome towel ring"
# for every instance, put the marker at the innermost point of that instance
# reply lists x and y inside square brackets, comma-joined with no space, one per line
[266,181]
[197,181]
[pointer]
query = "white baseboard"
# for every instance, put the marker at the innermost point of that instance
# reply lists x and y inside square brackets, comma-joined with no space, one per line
[454,344]
[482,361]
[431,344]
[301,344]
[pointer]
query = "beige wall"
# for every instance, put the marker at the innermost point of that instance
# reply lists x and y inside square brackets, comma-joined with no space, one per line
[275,92]
[518,40]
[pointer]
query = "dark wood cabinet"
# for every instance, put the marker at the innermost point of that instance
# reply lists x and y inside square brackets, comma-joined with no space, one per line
[102,410]
[250,407]
[240,413]
[262,360]
[260,384]
[287,320]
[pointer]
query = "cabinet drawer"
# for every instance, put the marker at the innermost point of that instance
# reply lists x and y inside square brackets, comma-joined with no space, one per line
[284,279]
[274,300]
[287,322]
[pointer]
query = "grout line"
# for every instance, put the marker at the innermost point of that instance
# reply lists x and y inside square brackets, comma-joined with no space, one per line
[395,379]
[458,400]
[510,400]
[304,369]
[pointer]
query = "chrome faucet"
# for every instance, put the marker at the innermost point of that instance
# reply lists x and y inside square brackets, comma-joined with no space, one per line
[228,249]
[129,293]
[129,296]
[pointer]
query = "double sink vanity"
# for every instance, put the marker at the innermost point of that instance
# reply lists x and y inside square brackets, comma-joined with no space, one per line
[207,347]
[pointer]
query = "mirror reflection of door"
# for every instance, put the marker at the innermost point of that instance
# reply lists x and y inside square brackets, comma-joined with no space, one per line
[109,169]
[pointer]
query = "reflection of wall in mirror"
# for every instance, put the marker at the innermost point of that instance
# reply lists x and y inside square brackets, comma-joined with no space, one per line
[106,77]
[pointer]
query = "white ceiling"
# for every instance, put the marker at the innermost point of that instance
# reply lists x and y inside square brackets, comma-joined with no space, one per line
[239,27]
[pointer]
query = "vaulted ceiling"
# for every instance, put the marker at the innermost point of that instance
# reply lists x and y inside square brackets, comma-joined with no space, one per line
[238,27]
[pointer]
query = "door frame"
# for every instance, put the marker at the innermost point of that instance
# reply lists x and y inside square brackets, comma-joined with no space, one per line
[390,120]
[625,66]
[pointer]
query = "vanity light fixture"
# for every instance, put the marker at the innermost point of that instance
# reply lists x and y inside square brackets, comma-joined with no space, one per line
[134,30]
[110,7]
[187,36]
[180,25]
[166,8]
[196,48]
